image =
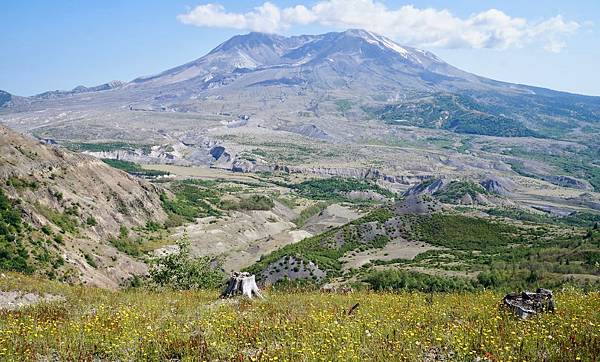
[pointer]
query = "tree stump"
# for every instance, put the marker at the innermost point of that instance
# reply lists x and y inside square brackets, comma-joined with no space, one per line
[526,304]
[241,284]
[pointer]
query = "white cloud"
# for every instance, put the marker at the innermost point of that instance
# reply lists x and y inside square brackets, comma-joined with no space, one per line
[265,18]
[407,24]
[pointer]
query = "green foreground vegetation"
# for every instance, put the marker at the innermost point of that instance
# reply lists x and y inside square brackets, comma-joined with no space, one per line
[138,324]
[23,248]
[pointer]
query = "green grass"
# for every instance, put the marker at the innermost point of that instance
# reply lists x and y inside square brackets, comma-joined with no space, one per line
[460,232]
[336,188]
[107,147]
[133,168]
[309,212]
[144,325]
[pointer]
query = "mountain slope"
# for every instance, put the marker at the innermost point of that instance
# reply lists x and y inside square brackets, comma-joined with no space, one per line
[271,76]
[348,103]
[68,206]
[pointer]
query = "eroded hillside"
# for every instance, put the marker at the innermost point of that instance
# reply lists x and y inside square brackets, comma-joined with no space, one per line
[69,206]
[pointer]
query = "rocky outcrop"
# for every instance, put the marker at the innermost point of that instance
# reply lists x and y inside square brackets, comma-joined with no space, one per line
[466,199]
[360,173]
[569,181]
[307,130]
[498,185]
[291,268]
[428,187]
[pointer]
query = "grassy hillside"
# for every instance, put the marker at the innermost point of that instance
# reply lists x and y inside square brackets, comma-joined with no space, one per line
[460,114]
[96,324]
[471,253]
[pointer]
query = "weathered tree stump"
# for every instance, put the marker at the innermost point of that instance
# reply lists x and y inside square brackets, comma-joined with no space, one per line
[241,283]
[526,304]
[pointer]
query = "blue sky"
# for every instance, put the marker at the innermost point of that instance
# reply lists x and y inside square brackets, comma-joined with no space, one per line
[50,45]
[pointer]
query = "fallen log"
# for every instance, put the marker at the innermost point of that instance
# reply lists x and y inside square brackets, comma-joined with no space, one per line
[241,283]
[526,304]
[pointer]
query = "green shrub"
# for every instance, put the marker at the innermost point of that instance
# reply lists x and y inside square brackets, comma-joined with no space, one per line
[323,250]
[20,183]
[336,188]
[127,245]
[46,230]
[309,212]
[461,232]
[179,271]
[91,221]
[457,189]
[90,260]
[191,201]
[13,255]
[458,113]
[153,226]
[64,220]
[492,278]
[256,202]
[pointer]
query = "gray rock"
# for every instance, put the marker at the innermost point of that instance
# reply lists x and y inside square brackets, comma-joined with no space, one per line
[498,185]
[569,181]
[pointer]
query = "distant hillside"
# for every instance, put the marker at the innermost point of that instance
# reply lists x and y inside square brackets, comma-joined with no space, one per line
[460,250]
[60,209]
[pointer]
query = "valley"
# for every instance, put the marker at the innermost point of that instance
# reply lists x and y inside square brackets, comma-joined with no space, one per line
[383,200]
